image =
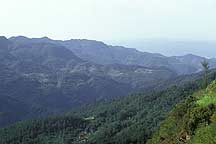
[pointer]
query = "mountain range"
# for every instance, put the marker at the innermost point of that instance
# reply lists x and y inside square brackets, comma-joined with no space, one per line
[100,53]
[40,76]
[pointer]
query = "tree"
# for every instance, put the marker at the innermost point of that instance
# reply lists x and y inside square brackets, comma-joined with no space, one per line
[205,65]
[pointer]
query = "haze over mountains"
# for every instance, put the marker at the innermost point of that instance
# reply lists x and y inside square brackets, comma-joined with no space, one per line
[173,47]
[41,76]
[100,53]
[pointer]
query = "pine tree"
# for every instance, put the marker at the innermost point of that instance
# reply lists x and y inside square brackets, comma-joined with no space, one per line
[205,65]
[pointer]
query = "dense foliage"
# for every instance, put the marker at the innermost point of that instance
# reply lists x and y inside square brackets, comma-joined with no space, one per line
[130,119]
[134,118]
[59,130]
[192,121]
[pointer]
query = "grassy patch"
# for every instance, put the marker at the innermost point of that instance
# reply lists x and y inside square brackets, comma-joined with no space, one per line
[205,135]
[206,100]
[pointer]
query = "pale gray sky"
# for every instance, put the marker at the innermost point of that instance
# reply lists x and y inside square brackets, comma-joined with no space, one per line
[111,21]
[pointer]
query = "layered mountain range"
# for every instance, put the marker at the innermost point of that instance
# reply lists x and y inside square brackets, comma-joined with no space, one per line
[100,53]
[41,76]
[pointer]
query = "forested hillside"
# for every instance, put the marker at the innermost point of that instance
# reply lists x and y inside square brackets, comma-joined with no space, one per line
[192,121]
[38,79]
[55,130]
[131,119]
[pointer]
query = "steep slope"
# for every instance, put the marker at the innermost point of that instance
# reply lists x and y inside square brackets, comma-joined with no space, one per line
[100,53]
[11,109]
[46,78]
[192,121]
[129,120]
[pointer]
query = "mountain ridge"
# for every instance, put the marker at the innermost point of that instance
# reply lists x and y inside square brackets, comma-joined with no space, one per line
[100,53]
[48,78]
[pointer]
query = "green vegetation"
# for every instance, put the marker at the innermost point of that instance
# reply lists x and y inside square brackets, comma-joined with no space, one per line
[209,97]
[59,130]
[192,121]
[206,100]
[205,65]
[128,120]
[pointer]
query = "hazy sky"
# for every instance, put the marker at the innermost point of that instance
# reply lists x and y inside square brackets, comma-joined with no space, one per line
[112,21]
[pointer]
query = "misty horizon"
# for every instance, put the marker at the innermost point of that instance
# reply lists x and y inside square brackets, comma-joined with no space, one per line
[126,23]
[166,47]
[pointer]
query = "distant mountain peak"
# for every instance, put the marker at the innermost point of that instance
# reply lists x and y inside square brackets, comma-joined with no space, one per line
[3,37]
[43,39]
[4,42]
[191,55]
[19,38]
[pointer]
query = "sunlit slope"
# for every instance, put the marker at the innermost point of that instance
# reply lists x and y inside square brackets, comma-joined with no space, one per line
[192,121]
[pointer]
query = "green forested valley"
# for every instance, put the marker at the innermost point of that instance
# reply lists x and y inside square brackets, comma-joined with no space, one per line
[128,120]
